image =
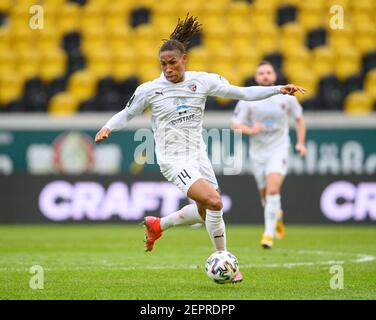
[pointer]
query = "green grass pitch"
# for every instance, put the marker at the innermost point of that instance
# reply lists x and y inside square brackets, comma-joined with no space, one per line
[109,262]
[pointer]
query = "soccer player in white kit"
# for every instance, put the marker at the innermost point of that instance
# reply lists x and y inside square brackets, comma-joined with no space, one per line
[266,121]
[177,102]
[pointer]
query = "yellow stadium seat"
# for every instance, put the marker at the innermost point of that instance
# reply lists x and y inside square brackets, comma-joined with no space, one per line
[48,39]
[246,62]
[91,16]
[115,16]
[82,85]
[365,38]
[347,62]
[28,63]
[295,60]
[216,39]
[362,6]
[148,67]
[358,103]
[99,63]
[123,64]
[7,61]
[311,14]
[5,5]
[5,38]
[148,71]
[238,13]
[241,37]
[68,19]
[341,38]
[293,35]
[145,38]
[370,84]
[268,39]
[198,59]
[307,80]
[194,7]
[63,104]
[119,38]
[343,3]
[323,61]
[11,86]
[93,40]
[53,64]
[23,39]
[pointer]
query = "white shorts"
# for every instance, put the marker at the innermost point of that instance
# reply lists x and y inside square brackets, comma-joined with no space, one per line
[183,175]
[274,162]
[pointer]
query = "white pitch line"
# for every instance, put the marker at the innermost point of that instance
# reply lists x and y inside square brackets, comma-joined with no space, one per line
[360,258]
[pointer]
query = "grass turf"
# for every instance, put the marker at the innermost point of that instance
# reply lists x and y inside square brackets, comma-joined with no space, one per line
[109,262]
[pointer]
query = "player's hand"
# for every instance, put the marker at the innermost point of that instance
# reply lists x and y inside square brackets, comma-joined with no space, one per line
[102,134]
[257,128]
[291,89]
[301,149]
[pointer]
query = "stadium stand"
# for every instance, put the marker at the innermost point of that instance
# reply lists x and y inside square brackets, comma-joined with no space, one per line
[91,54]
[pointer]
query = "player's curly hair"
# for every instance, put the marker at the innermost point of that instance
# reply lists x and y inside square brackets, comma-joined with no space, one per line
[183,33]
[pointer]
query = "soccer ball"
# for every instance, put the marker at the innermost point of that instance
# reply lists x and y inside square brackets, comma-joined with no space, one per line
[222,266]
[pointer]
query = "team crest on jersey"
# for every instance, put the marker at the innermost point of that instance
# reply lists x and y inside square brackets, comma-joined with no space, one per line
[283,106]
[192,87]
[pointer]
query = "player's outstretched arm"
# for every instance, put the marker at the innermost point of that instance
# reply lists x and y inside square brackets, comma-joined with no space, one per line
[260,92]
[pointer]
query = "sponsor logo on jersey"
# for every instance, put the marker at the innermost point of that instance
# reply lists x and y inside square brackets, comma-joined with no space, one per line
[182,109]
[192,87]
[159,92]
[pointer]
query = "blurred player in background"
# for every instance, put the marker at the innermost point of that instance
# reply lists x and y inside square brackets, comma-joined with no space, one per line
[266,121]
[177,102]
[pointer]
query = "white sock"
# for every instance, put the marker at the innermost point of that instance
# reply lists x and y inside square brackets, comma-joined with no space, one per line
[185,216]
[272,206]
[215,226]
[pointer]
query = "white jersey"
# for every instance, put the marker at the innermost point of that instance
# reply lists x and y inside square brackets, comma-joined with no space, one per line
[177,112]
[273,113]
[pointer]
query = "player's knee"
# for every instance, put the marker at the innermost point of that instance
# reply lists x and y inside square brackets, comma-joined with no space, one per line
[272,190]
[214,202]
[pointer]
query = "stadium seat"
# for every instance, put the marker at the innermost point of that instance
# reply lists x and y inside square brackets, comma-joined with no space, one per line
[347,62]
[246,62]
[330,95]
[68,19]
[311,14]
[238,13]
[296,60]
[81,85]
[293,35]
[99,63]
[11,87]
[198,59]
[53,64]
[35,95]
[62,104]
[308,81]
[358,103]
[48,39]
[5,5]
[123,64]
[7,61]
[28,63]
[268,39]
[323,61]
[370,84]
[286,14]
[365,38]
